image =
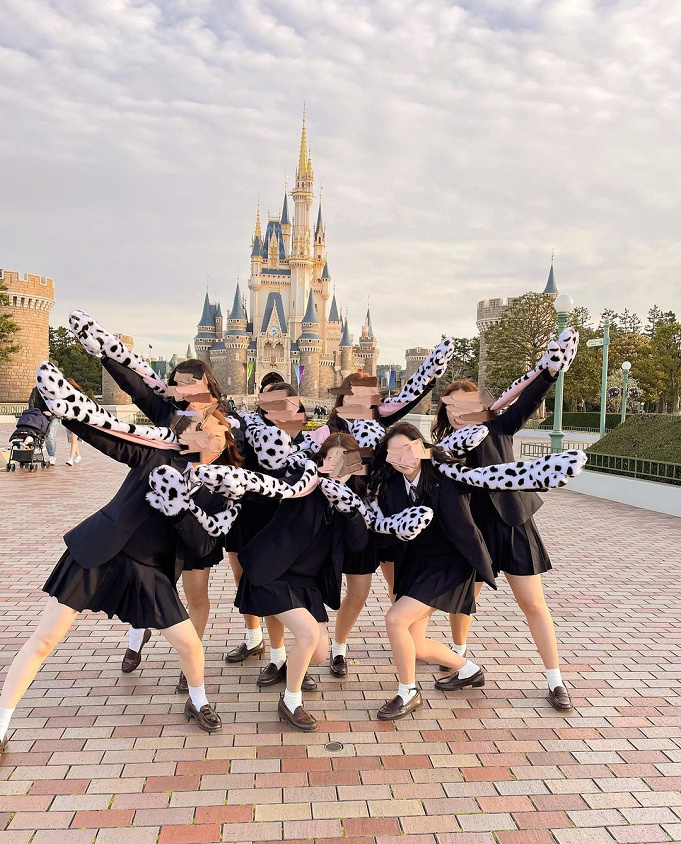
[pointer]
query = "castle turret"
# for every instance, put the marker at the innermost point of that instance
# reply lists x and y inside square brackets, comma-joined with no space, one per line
[255,281]
[347,352]
[232,364]
[310,347]
[551,286]
[205,336]
[31,298]
[415,357]
[286,226]
[301,262]
[367,352]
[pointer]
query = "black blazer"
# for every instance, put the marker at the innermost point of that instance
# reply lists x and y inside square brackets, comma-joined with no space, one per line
[451,504]
[515,508]
[294,529]
[98,539]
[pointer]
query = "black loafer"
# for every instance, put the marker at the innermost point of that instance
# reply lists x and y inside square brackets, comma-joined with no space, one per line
[309,684]
[242,652]
[338,666]
[397,708]
[182,685]
[560,699]
[206,717]
[132,659]
[453,682]
[299,720]
[271,675]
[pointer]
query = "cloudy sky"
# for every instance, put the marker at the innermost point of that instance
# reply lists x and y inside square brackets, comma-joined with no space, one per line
[457,144]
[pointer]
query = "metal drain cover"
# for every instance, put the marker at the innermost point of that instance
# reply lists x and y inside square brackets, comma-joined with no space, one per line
[333,746]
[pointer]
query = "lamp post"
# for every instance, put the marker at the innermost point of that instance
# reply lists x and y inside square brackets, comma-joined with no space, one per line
[626,366]
[605,342]
[564,307]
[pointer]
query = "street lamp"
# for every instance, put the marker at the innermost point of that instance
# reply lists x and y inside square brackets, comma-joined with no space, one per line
[626,366]
[564,306]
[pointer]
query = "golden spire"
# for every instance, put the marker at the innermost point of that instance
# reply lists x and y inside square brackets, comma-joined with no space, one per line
[258,232]
[303,157]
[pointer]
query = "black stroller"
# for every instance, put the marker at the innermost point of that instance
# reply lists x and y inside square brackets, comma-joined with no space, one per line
[27,443]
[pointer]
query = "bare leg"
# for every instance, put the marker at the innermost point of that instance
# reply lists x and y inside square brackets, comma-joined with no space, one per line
[252,622]
[461,623]
[74,447]
[388,571]
[55,622]
[430,650]
[195,585]
[356,594]
[306,632]
[403,614]
[322,651]
[275,630]
[529,594]
[184,638]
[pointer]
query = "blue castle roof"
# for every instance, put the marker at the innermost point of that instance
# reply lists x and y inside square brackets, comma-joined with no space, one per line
[274,302]
[333,311]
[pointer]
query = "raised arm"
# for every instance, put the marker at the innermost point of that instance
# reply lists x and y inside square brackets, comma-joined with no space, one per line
[528,402]
[158,409]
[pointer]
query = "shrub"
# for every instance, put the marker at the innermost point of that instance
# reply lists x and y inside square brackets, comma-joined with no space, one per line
[651,436]
[583,420]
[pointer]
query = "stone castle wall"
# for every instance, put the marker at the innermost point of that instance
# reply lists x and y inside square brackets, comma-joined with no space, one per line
[415,358]
[111,392]
[489,312]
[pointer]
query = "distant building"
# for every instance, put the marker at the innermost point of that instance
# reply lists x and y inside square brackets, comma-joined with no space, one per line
[490,312]
[288,325]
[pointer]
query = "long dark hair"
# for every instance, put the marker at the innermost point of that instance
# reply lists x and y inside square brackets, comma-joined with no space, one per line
[200,369]
[336,422]
[381,471]
[442,426]
[347,442]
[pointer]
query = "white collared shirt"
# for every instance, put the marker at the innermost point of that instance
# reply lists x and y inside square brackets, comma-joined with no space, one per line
[412,485]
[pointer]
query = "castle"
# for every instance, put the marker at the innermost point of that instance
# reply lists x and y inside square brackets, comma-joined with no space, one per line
[289,327]
[490,311]
[31,298]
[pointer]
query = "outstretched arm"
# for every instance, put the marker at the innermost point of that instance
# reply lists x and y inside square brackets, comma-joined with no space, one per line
[548,472]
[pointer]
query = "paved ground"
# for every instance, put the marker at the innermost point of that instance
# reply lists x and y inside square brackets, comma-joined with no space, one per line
[94,751]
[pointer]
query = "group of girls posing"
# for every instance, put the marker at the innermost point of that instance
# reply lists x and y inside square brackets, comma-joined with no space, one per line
[294,511]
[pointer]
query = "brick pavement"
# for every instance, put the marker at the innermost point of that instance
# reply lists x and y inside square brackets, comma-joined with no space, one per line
[94,752]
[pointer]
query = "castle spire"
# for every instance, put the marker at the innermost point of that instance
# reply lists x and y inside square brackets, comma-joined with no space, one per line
[258,232]
[345,339]
[370,328]
[311,314]
[319,228]
[551,286]
[237,311]
[284,211]
[207,313]
[303,158]
[333,310]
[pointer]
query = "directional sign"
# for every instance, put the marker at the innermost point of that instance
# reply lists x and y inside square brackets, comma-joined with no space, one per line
[597,341]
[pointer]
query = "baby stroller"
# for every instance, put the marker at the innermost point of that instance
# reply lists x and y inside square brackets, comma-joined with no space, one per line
[27,443]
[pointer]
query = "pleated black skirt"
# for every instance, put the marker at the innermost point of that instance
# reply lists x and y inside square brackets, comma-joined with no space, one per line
[192,563]
[361,562]
[279,596]
[444,583]
[137,594]
[514,549]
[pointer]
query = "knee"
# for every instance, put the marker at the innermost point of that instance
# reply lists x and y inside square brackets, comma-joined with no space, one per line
[358,593]
[308,637]
[393,622]
[196,597]
[43,644]
[534,607]
[321,652]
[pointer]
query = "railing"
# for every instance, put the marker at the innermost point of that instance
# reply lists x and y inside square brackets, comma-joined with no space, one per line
[540,449]
[535,425]
[12,409]
[636,467]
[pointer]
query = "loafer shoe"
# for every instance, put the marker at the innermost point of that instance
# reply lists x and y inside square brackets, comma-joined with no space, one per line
[299,720]
[309,684]
[206,717]
[3,746]
[271,675]
[397,708]
[182,685]
[453,682]
[132,659]
[449,667]
[338,666]
[242,652]
[560,699]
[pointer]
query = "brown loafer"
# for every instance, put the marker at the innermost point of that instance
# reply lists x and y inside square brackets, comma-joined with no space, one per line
[560,699]
[271,675]
[309,684]
[338,666]
[242,652]
[133,658]
[182,685]
[3,746]
[299,720]
[206,717]
[397,708]
[453,682]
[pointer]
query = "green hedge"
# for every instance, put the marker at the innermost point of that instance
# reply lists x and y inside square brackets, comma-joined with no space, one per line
[652,436]
[583,420]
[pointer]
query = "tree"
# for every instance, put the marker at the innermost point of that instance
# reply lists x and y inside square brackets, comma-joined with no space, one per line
[67,353]
[629,323]
[666,348]
[583,381]
[638,351]
[519,339]
[613,316]
[8,327]
[655,317]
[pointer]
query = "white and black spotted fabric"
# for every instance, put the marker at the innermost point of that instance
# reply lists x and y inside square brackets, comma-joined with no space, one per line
[461,441]
[548,472]
[171,493]
[405,525]
[367,432]
[234,482]
[341,497]
[68,403]
[434,366]
[98,341]
[271,446]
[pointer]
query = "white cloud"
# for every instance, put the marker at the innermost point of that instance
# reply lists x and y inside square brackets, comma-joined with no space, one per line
[457,145]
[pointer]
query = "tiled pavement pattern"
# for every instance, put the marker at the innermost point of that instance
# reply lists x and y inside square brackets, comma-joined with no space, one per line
[100,756]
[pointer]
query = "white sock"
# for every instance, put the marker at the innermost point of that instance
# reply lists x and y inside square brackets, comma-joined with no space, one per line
[135,639]
[406,692]
[553,678]
[198,696]
[5,718]
[278,656]
[253,637]
[338,648]
[468,670]
[293,700]
[459,649]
